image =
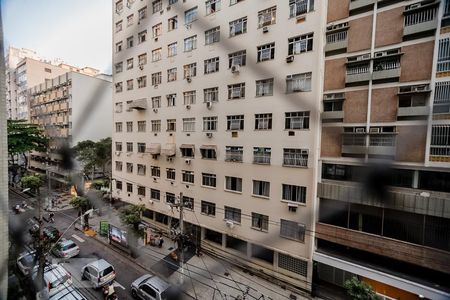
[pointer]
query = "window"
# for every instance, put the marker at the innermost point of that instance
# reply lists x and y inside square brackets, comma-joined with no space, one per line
[267,17]
[209,180]
[129,188]
[130,20]
[172,23]
[141,169]
[261,188]
[155,194]
[118,185]
[130,84]
[300,44]
[171,74]
[237,58]
[212,65]
[211,94]
[234,153]
[142,13]
[118,146]
[129,126]
[157,30]
[266,52]
[440,140]
[190,15]
[171,2]
[260,222]
[187,150]
[156,54]
[208,208]
[156,78]
[233,183]
[171,125]
[299,7]
[119,47]
[156,6]
[130,63]
[188,124]
[235,122]
[209,123]
[212,6]
[170,198]
[118,126]
[156,102]
[263,121]
[142,81]
[172,49]
[171,100]
[295,157]
[156,125]
[261,155]
[142,60]
[119,107]
[170,173]
[294,193]
[119,87]
[297,120]
[187,176]
[238,26]
[141,126]
[119,67]
[208,151]
[233,214]
[232,2]
[264,87]
[119,166]
[130,42]
[155,171]
[292,230]
[129,147]
[336,105]
[142,36]
[190,70]
[236,91]
[190,43]
[141,147]
[119,6]
[188,202]
[212,35]
[189,97]
[129,168]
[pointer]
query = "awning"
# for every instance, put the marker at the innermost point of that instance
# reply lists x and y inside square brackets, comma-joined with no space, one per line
[208,147]
[169,149]
[138,104]
[187,146]
[154,149]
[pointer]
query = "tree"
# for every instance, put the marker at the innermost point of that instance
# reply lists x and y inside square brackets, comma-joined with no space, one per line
[131,215]
[23,137]
[359,290]
[82,204]
[94,154]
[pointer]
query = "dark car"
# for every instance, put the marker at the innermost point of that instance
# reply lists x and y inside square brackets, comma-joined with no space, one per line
[33,225]
[51,233]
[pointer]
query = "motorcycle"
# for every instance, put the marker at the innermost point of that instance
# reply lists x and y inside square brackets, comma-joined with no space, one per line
[109,293]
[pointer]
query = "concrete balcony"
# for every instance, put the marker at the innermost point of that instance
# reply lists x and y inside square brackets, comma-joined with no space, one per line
[382,144]
[413,111]
[358,77]
[418,255]
[386,73]
[353,143]
[140,104]
[336,46]
[336,41]
[382,150]
[405,199]
[331,115]
[357,4]
[421,19]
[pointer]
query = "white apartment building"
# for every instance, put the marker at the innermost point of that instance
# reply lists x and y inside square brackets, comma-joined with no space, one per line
[218,101]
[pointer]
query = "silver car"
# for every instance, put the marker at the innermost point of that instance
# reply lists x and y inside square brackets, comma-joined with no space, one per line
[66,249]
[26,262]
[69,293]
[98,273]
[56,278]
[151,287]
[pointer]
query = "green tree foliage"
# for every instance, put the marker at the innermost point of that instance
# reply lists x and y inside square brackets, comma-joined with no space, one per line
[131,214]
[359,290]
[94,154]
[33,182]
[82,204]
[99,183]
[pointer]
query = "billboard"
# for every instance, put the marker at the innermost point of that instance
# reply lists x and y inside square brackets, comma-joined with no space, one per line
[118,236]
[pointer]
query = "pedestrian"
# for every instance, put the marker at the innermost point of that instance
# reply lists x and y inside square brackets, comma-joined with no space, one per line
[52,217]
[160,241]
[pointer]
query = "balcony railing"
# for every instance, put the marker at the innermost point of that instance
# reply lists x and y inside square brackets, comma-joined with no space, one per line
[233,156]
[261,159]
[420,17]
[295,160]
[358,69]
[298,8]
[354,140]
[336,37]
[382,140]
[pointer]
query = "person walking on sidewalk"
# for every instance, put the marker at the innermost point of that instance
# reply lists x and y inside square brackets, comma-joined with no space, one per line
[51,217]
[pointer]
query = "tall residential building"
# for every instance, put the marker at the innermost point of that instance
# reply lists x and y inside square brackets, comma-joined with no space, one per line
[72,107]
[217,102]
[384,188]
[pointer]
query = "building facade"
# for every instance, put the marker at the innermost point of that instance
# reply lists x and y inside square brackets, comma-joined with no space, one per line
[72,107]
[384,193]
[217,103]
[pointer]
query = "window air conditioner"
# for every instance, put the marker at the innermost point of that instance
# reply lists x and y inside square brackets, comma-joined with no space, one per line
[188,106]
[188,78]
[118,153]
[208,104]
[209,134]
[187,161]
[141,66]
[374,130]
[229,224]
[265,29]
[235,68]
[290,58]
[161,12]
[168,8]
[155,38]
[169,159]
[360,130]
[155,110]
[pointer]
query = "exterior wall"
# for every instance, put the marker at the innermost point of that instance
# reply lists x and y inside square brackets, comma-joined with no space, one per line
[331,142]
[359,34]
[337,10]
[355,106]
[414,68]
[389,27]
[334,74]
[411,143]
[384,105]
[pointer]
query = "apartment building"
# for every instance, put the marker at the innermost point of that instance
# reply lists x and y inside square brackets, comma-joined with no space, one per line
[217,103]
[72,107]
[384,211]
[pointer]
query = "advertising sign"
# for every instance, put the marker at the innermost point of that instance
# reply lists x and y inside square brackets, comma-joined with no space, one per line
[104,227]
[118,235]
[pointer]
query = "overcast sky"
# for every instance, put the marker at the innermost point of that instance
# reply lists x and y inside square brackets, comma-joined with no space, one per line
[77,31]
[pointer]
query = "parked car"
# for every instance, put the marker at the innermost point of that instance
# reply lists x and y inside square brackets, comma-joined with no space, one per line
[98,273]
[56,278]
[151,287]
[26,262]
[66,249]
[51,233]
[69,293]
[33,225]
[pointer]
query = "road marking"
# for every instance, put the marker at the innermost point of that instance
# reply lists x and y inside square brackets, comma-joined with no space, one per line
[115,283]
[77,238]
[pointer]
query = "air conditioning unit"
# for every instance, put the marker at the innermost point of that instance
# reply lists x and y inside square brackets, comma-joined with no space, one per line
[169,159]
[209,134]
[187,161]
[155,156]
[235,68]
[188,26]
[161,12]
[188,106]
[360,130]
[230,224]
[155,110]
[374,130]
[129,153]
[380,54]
[141,66]
[209,105]
[168,8]
[118,153]
[188,78]
[419,88]
[155,38]
[265,29]
[415,5]
[290,58]
[363,57]
[155,86]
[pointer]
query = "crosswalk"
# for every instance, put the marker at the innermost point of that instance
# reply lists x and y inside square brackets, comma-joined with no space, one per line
[78,238]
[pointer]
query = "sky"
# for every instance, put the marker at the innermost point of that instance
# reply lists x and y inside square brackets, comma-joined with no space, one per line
[77,31]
